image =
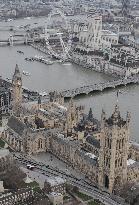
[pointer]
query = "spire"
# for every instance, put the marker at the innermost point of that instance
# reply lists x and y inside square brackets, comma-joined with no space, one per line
[1,117]
[128,117]
[16,68]
[103,119]
[39,100]
[90,115]
[116,112]
[103,115]
[71,103]
[117,96]
[17,73]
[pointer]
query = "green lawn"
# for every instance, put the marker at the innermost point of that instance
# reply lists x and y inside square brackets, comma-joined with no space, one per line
[33,185]
[2,143]
[93,203]
[83,196]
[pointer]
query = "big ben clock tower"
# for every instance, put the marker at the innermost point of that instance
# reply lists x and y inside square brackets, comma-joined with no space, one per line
[17,92]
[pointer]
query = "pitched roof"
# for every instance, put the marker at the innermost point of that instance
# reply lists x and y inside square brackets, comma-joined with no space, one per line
[93,141]
[16,125]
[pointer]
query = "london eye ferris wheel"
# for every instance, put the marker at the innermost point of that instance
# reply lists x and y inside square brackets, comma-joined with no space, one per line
[57,35]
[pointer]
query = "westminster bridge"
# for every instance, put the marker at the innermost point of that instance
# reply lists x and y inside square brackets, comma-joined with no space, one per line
[100,87]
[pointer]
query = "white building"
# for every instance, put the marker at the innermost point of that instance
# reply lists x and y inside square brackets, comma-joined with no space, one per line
[92,37]
[55,184]
[56,198]
[109,38]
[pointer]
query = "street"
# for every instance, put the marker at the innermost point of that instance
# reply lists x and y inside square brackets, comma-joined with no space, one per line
[41,172]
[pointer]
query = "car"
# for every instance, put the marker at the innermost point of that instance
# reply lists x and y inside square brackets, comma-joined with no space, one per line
[43,173]
[31,167]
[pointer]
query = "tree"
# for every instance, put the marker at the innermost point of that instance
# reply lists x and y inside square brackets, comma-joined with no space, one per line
[75,189]
[13,177]
[130,192]
[68,187]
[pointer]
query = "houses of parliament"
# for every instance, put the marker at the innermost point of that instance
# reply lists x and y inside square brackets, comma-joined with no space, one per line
[101,150]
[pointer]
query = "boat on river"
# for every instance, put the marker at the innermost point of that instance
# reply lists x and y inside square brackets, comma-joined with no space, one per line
[43,60]
[20,52]
[29,59]
[26,73]
[9,80]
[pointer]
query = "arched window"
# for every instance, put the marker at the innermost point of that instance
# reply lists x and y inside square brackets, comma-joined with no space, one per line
[109,143]
[117,145]
[121,162]
[116,163]
[122,143]
[106,180]
[40,144]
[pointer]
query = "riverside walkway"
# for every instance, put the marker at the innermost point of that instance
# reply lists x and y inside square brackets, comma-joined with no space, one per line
[99,87]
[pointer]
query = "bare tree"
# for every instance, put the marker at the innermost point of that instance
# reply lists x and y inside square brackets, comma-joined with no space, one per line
[13,177]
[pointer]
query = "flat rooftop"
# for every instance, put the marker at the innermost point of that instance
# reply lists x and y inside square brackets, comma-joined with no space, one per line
[54,181]
[4,152]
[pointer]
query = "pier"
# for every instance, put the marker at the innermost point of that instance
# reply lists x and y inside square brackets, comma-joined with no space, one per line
[46,50]
[99,87]
[40,59]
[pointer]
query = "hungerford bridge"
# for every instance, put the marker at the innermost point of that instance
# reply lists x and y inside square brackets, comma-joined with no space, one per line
[100,87]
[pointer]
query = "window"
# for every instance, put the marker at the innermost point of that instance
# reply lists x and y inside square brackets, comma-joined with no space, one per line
[121,162]
[40,144]
[2,101]
[116,163]
[122,143]
[105,142]
[117,145]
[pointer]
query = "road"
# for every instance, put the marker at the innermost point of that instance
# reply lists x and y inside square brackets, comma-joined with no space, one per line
[41,172]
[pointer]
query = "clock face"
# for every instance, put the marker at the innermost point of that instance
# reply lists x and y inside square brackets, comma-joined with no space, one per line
[18,83]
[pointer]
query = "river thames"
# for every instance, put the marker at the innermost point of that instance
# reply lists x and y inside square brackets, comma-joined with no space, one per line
[65,76]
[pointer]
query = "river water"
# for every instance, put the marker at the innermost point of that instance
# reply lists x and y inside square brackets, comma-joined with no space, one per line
[65,76]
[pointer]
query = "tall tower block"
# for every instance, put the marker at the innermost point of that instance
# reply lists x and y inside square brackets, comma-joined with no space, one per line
[114,150]
[17,92]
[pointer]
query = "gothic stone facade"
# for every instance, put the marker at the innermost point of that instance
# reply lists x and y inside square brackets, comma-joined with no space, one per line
[103,160]
[105,157]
